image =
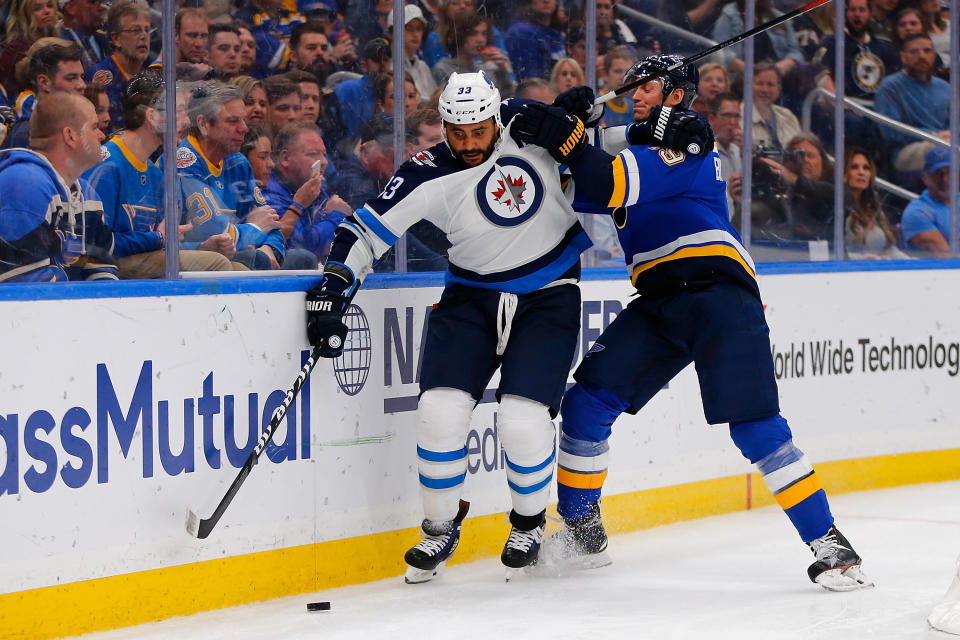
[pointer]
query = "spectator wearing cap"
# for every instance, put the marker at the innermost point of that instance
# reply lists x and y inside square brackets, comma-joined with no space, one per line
[413,30]
[535,43]
[356,97]
[467,44]
[52,67]
[361,176]
[926,220]
[271,25]
[82,20]
[128,24]
[310,214]
[915,97]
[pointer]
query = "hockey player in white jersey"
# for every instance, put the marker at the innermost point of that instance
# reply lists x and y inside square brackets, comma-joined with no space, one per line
[511,301]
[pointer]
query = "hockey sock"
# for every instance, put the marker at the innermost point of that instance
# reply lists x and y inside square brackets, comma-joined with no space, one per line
[788,473]
[444,419]
[527,434]
[588,413]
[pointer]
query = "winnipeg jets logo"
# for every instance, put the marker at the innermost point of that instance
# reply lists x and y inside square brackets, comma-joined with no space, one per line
[510,190]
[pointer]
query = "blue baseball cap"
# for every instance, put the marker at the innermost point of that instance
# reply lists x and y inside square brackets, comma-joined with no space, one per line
[936,159]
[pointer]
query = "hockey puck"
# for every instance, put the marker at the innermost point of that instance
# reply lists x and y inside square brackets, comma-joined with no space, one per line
[318,606]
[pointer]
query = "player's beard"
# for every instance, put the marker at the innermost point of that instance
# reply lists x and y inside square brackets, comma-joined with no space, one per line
[485,154]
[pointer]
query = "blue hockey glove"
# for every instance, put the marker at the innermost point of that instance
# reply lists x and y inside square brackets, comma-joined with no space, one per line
[579,101]
[681,130]
[552,128]
[325,328]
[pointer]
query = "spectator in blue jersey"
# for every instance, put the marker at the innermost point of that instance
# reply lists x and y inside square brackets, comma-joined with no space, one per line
[467,41]
[356,97]
[223,50]
[128,24]
[271,25]
[53,67]
[191,35]
[914,96]
[283,102]
[926,220]
[51,220]
[309,214]
[131,190]
[535,43]
[81,26]
[221,199]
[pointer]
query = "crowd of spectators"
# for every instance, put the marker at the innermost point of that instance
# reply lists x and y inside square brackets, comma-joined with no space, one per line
[286,107]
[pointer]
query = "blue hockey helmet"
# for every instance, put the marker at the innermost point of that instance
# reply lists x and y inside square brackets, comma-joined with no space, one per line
[684,77]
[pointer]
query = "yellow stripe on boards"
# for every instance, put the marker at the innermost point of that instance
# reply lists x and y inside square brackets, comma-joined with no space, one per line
[117,601]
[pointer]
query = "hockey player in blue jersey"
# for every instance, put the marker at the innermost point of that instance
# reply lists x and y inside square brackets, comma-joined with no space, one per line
[699,302]
[511,302]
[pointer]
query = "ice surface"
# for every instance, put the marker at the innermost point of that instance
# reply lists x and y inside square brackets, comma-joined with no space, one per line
[736,577]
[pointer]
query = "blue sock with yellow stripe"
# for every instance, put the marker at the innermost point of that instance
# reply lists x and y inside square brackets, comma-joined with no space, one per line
[588,413]
[768,444]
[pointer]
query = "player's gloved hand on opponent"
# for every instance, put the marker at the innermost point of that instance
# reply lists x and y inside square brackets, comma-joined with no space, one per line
[552,128]
[680,130]
[579,101]
[325,328]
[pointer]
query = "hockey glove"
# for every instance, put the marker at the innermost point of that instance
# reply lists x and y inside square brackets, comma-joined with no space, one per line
[325,328]
[678,130]
[579,101]
[552,128]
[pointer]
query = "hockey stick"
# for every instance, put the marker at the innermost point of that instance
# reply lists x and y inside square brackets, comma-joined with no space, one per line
[201,527]
[717,47]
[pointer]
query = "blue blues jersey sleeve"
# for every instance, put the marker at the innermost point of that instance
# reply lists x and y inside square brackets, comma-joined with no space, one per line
[133,232]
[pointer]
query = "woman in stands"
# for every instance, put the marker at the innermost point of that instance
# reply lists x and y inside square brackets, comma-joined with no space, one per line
[27,21]
[868,234]
[257,148]
[713,81]
[254,99]
[566,74]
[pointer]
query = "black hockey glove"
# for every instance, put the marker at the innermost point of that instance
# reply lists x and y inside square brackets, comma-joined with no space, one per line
[579,101]
[552,128]
[681,130]
[325,328]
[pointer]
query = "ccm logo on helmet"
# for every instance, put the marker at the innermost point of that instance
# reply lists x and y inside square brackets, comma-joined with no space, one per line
[321,305]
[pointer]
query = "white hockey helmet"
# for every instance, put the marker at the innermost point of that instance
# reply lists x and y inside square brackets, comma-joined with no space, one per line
[469,98]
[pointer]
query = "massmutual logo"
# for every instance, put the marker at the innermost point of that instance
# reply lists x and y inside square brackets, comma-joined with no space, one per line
[353,366]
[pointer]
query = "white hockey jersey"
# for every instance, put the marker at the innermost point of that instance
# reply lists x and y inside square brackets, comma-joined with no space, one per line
[510,226]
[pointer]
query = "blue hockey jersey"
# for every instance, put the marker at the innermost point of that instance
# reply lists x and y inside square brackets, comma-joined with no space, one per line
[670,211]
[217,199]
[132,196]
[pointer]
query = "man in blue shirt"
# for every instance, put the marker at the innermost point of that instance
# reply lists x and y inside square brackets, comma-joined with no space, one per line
[309,215]
[917,98]
[926,220]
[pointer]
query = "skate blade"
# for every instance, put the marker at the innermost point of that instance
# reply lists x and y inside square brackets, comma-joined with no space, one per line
[512,572]
[419,576]
[844,579]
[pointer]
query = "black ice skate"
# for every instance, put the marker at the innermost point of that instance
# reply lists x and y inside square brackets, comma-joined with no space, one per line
[430,555]
[581,543]
[523,545]
[838,566]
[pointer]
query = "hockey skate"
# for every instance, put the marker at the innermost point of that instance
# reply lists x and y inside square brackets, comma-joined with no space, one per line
[523,546]
[440,539]
[580,544]
[837,567]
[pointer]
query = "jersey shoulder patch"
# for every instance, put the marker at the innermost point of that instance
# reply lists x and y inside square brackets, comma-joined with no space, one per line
[102,77]
[185,158]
